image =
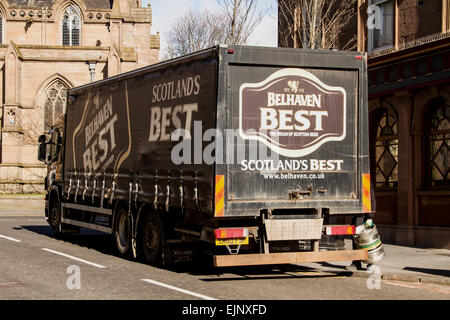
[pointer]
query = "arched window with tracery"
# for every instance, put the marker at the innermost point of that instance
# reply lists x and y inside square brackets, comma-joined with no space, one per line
[386,150]
[71,26]
[1,28]
[54,103]
[438,144]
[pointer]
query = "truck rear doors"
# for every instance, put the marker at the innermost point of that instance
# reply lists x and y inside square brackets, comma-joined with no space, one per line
[299,122]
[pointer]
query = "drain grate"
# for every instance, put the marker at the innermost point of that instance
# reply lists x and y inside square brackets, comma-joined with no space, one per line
[9,285]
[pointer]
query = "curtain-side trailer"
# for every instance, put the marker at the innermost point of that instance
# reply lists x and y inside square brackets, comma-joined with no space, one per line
[253,153]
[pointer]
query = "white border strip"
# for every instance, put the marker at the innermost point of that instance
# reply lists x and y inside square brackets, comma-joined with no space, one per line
[9,238]
[178,289]
[74,258]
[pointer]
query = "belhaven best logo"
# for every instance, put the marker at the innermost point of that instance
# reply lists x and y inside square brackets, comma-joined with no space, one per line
[293,112]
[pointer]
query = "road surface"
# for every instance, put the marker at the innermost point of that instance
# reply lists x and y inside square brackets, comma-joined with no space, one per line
[34,265]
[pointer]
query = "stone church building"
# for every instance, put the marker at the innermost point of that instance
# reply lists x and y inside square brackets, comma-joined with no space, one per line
[48,46]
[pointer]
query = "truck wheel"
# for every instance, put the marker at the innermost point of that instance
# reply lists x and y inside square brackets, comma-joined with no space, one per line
[54,218]
[122,233]
[152,238]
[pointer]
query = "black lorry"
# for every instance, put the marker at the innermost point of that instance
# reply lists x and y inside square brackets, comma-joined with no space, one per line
[259,154]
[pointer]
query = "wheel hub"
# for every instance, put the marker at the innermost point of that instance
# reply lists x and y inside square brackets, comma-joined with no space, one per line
[123,230]
[151,236]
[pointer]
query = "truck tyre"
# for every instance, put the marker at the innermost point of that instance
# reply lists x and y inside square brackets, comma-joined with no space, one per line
[152,238]
[54,218]
[122,233]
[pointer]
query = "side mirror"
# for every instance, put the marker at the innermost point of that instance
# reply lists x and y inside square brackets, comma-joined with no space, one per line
[49,146]
[41,138]
[42,151]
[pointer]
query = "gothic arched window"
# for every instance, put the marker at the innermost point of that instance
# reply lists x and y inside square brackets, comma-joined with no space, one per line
[71,27]
[386,150]
[438,141]
[55,100]
[1,28]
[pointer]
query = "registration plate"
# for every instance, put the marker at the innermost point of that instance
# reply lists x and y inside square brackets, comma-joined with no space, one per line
[231,241]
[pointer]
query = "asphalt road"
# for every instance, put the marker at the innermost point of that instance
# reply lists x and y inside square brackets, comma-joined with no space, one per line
[34,265]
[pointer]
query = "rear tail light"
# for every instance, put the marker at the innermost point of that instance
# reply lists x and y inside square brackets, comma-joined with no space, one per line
[231,233]
[340,230]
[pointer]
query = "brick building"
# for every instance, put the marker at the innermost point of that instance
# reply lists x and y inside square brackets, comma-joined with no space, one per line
[48,46]
[408,49]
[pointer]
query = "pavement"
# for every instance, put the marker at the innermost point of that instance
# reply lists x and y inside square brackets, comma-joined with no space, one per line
[401,263]
[32,204]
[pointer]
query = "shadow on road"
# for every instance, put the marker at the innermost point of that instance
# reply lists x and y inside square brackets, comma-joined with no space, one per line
[201,265]
[436,272]
[254,273]
[205,268]
[327,264]
[94,240]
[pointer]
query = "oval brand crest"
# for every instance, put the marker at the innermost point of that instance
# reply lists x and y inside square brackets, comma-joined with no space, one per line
[292,112]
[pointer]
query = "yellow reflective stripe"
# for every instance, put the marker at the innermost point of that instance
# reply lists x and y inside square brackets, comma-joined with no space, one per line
[367,205]
[219,207]
[219,196]
[220,183]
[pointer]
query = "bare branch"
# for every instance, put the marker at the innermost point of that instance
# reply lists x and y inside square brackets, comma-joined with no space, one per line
[194,31]
[315,24]
[243,17]
[232,24]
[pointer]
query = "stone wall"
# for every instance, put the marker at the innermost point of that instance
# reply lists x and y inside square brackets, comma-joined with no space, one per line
[33,62]
[418,19]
